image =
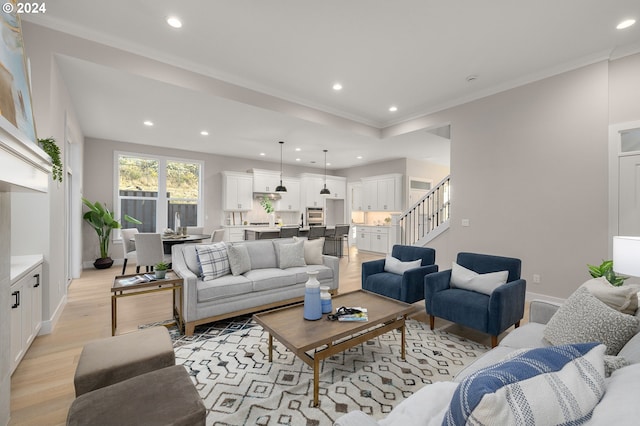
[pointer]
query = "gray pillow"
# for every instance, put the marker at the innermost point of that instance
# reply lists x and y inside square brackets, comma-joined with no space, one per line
[239,259]
[291,255]
[584,318]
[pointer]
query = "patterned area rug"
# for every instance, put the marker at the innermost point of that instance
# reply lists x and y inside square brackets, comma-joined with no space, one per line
[239,386]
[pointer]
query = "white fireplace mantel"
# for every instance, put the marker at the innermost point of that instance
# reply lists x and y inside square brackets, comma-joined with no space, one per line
[23,164]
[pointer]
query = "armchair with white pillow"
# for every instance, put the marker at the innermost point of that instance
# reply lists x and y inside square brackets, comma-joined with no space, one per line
[483,292]
[400,276]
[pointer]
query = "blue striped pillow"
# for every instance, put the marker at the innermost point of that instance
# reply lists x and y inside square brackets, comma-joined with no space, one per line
[552,385]
[214,260]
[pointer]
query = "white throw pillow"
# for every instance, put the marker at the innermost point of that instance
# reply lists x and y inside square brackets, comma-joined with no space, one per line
[312,250]
[467,279]
[623,298]
[395,266]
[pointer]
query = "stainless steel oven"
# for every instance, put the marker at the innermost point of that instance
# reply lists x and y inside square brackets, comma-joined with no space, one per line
[315,216]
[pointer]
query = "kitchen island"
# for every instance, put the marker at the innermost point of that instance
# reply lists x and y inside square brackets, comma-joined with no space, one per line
[262,233]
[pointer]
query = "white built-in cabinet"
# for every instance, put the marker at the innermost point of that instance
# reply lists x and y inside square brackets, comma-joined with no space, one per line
[26,304]
[338,187]
[382,193]
[289,201]
[265,180]
[237,191]
[373,238]
[356,197]
[310,186]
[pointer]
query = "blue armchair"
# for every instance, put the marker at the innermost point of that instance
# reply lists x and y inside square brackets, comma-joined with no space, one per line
[491,314]
[408,287]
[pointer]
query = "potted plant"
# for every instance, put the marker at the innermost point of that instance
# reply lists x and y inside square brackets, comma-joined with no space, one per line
[161,269]
[49,146]
[101,219]
[267,205]
[606,270]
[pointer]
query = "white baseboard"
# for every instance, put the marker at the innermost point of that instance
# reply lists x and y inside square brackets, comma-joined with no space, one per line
[47,326]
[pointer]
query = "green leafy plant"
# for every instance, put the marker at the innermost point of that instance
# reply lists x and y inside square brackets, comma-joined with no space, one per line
[606,270]
[267,205]
[161,266]
[101,219]
[49,146]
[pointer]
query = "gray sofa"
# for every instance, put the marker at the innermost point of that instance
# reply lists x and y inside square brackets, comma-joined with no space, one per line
[425,407]
[264,286]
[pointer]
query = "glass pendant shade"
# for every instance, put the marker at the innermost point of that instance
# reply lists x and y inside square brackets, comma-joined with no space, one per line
[325,191]
[281,187]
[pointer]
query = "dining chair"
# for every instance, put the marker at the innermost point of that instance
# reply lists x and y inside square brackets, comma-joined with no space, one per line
[195,230]
[316,232]
[289,231]
[340,236]
[217,235]
[128,246]
[149,251]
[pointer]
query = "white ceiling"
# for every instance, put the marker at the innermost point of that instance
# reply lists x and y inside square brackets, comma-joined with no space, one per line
[416,54]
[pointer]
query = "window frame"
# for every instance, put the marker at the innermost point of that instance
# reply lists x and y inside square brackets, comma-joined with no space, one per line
[162,201]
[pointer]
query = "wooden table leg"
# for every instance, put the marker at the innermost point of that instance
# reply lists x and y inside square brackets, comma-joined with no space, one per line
[315,380]
[270,347]
[114,311]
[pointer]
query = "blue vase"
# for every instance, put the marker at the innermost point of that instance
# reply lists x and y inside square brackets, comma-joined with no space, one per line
[312,302]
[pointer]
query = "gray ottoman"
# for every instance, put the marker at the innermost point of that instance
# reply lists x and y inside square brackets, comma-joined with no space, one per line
[114,359]
[162,397]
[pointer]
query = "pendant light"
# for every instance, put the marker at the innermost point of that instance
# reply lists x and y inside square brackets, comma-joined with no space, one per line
[325,191]
[281,188]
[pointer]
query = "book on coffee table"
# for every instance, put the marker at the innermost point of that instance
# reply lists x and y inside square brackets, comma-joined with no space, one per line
[359,316]
[145,278]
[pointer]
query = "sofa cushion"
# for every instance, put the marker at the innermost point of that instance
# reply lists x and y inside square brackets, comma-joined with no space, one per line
[290,255]
[631,351]
[467,279]
[619,405]
[324,273]
[554,385]
[271,278]
[396,266]
[623,298]
[239,259]
[312,250]
[226,286]
[262,254]
[530,335]
[191,259]
[214,260]
[584,318]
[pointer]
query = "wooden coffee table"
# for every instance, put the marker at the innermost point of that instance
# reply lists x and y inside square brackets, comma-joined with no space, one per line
[324,338]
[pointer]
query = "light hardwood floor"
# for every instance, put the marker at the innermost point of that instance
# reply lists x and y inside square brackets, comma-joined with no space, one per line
[42,385]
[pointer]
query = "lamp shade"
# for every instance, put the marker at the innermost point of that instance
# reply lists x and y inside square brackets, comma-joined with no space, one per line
[626,255]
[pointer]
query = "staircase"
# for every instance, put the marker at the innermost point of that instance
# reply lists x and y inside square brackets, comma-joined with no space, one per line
[427,218]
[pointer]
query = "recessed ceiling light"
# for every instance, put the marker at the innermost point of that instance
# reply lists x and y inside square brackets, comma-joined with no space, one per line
[328,164]
[174,22]
[337,87]
[359,157]
[148,123]
[393,108]
[204,133]
[298,150]
[626,24]
[297,159]
[262,154]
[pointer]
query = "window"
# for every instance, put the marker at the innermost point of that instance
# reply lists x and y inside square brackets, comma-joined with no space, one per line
[154,189]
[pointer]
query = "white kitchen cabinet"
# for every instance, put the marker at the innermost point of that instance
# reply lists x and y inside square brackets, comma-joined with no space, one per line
[382,193]
[26,304]
[237,191]
[265,180]
[356,198]
[373,238]
[310,186]
[290,200]
[233,234]
[338,187]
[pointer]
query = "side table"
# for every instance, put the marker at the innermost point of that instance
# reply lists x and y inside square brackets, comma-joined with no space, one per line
[172,282]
